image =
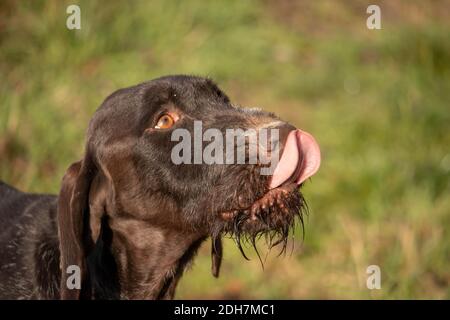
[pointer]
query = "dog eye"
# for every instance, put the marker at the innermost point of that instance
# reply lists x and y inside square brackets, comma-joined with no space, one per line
[166,121]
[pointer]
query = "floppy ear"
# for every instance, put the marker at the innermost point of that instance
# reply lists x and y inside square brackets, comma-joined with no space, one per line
[216,255]
[73,226]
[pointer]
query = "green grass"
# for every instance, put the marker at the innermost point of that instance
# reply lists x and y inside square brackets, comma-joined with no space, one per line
[377,102]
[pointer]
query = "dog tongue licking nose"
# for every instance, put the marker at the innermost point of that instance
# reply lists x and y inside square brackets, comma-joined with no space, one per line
[299,161]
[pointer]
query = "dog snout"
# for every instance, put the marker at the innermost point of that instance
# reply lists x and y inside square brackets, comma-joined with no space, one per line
[300,157]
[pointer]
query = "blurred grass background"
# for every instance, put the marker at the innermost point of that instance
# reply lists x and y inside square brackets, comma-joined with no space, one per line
[376,100]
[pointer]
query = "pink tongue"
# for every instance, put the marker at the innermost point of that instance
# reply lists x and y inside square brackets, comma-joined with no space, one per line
[300,159]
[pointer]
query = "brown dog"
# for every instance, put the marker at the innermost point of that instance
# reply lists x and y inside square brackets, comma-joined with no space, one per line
[129,218]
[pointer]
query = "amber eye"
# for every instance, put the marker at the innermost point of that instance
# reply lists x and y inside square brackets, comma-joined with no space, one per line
[165,122]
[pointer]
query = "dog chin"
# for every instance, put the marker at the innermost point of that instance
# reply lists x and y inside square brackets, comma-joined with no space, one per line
[274,215]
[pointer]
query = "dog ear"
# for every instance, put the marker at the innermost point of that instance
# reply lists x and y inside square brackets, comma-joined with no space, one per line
[75,238]
[216,255]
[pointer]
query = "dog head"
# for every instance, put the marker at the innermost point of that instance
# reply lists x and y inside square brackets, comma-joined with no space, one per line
[170,162]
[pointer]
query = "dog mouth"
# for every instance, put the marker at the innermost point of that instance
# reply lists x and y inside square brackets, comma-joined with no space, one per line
[273,215]
[274,202]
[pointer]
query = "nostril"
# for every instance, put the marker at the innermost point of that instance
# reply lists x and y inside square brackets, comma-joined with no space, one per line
[277,138]
[283,133]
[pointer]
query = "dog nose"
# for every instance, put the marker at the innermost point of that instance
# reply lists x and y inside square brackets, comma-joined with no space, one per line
[300,157]
[283,132]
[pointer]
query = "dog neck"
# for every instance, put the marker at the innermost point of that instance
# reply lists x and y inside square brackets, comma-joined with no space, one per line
[139,253]
[132,262]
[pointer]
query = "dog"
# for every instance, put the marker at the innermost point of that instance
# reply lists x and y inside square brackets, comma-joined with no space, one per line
[128,220]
